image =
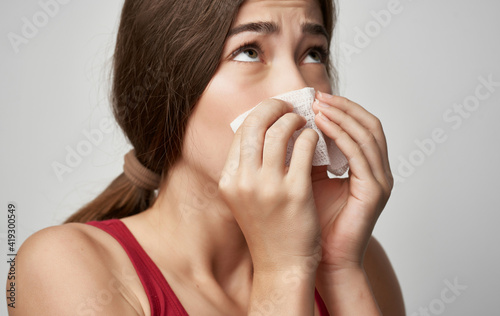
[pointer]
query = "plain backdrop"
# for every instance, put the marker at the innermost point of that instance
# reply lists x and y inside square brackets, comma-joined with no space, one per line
[421,66]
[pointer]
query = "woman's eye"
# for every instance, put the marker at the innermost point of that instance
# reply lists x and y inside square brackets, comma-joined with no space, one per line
[248,55]
[313,57]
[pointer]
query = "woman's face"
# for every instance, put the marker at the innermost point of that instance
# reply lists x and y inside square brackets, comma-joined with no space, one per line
[282,51]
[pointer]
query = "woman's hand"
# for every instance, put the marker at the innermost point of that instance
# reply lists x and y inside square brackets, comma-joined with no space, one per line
[349,208]
[273,204]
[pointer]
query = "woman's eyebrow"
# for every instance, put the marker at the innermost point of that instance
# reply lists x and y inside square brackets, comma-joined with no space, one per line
[271,27]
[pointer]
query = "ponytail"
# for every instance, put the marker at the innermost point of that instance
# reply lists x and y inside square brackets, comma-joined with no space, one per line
[120,199]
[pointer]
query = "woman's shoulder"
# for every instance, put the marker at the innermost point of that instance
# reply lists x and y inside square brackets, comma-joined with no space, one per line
[58,246]
[59,235]
[62,243]
[383,279]
[63,270]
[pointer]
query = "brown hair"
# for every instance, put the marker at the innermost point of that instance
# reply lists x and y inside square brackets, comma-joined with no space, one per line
[166,53]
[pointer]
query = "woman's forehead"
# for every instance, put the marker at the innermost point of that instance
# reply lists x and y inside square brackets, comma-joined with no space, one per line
[267,10]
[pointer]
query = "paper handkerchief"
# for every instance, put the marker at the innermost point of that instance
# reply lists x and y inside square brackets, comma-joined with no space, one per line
[326,153]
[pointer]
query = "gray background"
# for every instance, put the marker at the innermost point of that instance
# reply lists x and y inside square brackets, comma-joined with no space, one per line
[414,70]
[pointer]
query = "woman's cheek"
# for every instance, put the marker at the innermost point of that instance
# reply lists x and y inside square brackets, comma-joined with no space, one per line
[232,91]
[249,75]
[248,84]
[317,77]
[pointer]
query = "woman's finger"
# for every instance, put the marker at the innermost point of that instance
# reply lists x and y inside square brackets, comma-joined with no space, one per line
[358,164]
[302,155]
[276,142]
[254,128]
[233,158]
[368,120]
[360,135]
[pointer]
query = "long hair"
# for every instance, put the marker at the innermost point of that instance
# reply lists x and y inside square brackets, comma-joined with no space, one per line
[166,53]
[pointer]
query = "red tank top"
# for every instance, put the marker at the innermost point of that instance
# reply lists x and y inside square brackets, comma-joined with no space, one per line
[162,299]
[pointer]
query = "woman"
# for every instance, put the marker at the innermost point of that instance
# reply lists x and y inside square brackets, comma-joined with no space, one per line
[232,230]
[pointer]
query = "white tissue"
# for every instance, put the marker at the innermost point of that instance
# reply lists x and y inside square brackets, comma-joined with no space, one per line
[326,153]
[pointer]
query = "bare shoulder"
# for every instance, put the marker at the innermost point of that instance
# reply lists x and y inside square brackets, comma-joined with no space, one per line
[383,280]
[60,270]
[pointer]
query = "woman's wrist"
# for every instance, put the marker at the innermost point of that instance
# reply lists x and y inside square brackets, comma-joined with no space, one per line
[286,263]
[285,291]
[346,291]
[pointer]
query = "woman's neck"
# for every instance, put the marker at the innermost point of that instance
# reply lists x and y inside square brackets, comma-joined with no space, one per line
[203,240]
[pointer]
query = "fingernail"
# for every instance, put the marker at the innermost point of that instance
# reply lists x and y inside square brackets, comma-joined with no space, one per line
[324,95]
[323,104]
[323,116]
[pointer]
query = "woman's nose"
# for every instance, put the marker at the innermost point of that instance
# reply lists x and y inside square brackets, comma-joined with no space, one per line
[288,77]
